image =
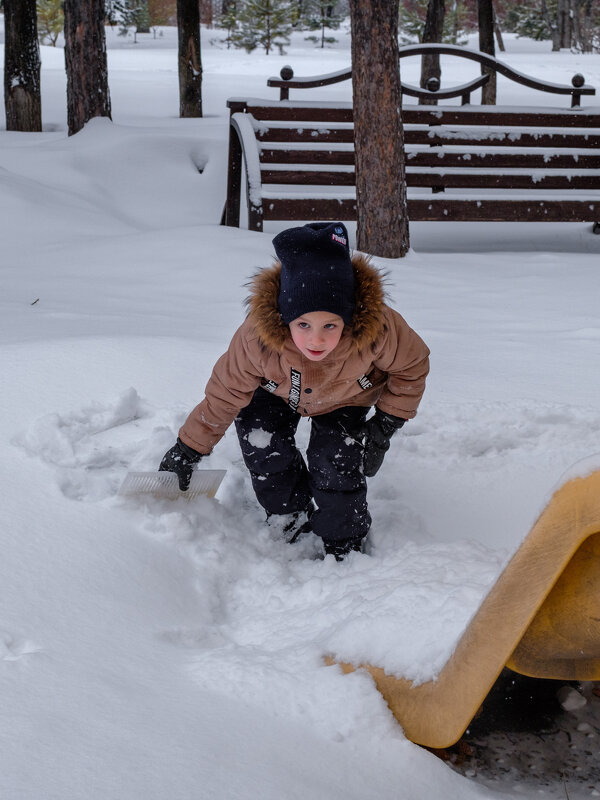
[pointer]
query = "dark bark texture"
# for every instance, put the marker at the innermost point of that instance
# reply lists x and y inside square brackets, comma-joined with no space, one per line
[190,64]
[382,227]
[565,23]
[85,59]
[22,93]
[485,13]
[432,32]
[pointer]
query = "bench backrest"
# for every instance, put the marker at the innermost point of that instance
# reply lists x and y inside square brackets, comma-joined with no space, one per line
[576,90]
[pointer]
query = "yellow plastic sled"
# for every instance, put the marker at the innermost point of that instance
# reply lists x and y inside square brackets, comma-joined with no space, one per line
[541,618]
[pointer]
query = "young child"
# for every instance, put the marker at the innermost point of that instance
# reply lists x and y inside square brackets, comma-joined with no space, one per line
[319,342]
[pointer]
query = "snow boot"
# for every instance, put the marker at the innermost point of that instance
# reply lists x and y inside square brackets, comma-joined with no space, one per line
[293,525]
[340,549]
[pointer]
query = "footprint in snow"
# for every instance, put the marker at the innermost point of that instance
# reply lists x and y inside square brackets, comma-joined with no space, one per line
[92,448]
[14,648]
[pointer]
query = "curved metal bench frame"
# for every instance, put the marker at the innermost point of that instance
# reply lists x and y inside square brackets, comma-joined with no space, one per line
[578,88]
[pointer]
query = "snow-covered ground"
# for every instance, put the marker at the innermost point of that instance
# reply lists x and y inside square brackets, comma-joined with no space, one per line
[175,650]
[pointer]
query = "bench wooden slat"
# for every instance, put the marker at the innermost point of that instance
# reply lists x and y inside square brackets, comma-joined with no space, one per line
[306,134]
[341,157]
[470,179]
[496,137]
[434,209]
[500,210]
[497,115]
[487,160]
[308,208]
[298,113]
[490,180]
[308,177]
[436,136]
[438,158]
[433,115]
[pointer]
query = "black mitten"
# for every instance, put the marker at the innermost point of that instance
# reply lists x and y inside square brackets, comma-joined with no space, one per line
[378,431]
[181,460]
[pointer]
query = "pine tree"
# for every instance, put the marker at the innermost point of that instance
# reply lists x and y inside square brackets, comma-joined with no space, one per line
[573,24]
[50,20]
[130,14]
[228,20]
[143,18]
[412,21]
[263,23]
[320,15]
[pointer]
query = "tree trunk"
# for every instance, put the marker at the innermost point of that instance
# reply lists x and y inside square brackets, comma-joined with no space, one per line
[206,12]
[498,34]
[432,32]
[552,23]
[485,13]
[85,58]
[564,23]
[378,133]
[576,36]
[586,28]
[190,65]
[22,93]
[455,22]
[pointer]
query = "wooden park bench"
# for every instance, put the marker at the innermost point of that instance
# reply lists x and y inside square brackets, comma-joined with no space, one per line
[464,162]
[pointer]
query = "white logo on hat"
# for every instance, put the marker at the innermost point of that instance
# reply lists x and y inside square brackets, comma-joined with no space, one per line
[339,239]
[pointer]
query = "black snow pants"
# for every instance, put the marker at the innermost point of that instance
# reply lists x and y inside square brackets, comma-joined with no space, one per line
[333,479]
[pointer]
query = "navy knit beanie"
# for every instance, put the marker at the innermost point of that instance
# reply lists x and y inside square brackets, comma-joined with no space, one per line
[316,271]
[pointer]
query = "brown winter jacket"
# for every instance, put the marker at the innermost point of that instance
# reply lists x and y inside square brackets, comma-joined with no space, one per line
[379,361]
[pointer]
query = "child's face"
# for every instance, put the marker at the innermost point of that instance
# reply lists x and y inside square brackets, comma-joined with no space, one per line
[317,333]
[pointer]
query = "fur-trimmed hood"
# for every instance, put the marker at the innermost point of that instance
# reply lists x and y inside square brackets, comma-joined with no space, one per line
[368,320]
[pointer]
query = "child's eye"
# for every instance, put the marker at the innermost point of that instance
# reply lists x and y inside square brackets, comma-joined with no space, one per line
[303,325]
[331,326]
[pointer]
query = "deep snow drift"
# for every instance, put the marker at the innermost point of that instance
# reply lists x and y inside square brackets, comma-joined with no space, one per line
[176,649]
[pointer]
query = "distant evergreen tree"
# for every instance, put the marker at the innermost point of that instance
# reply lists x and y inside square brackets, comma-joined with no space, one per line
[228,20]
[263,23]
[320,15]
[527,19]
[573,24]
[50,20]
[130,14]
[412,21]
[143,18]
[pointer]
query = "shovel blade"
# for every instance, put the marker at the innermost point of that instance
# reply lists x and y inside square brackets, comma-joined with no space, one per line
[165,485]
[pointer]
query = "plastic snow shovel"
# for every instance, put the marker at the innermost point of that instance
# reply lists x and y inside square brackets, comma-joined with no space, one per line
[165,485]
